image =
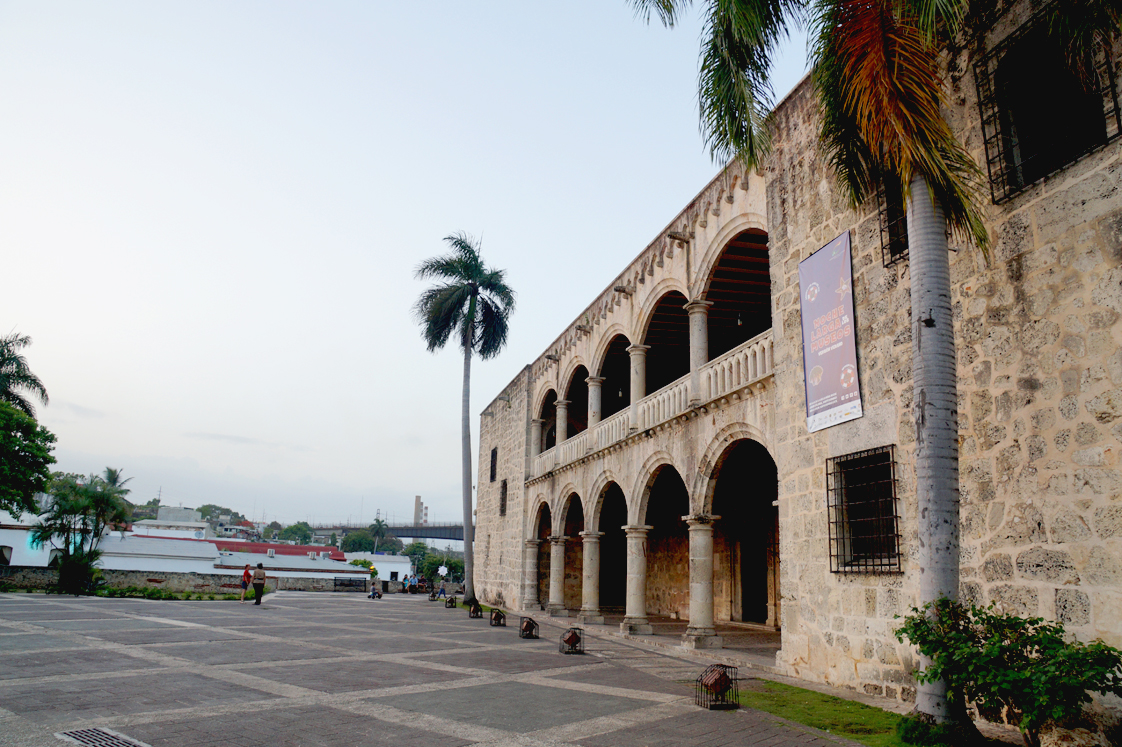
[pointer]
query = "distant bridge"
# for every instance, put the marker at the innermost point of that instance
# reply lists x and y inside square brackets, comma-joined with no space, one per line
[432,530]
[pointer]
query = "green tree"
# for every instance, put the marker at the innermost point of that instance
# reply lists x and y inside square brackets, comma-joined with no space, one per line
[334,540]
[81,511]
[473,303]
[379,528]
[416,551]
[359,541]
[25,460]
[300,532]
[879,82]
[432,562]
[211,511]
[16,377]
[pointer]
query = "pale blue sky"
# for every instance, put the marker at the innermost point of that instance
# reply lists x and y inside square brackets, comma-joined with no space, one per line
[210,213]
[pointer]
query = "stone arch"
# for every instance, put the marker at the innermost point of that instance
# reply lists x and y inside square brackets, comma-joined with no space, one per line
[602,345]
[650,301]
[562,503]
[539,397]
[641,490]
[565,381]
[596,497]
[701,492]
[712,253]
[541,510]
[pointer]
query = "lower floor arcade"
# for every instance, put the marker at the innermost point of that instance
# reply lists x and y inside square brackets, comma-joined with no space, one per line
[665,560]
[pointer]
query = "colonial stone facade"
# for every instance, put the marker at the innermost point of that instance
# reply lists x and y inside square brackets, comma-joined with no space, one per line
[655,460]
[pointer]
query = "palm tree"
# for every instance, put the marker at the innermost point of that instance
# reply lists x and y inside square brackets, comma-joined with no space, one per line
[15,376]
[878,79]
[378,530]
[474,303]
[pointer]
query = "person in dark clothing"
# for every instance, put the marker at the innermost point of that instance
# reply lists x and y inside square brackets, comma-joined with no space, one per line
[259,582]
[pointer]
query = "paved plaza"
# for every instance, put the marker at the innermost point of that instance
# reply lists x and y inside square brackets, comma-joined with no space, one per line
[339,669]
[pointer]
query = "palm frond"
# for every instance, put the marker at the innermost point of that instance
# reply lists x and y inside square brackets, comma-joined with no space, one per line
[493,328]
[15,375]
[439,310]
[934,17]
[880,86]
[667,11]
[1084,28]
[494,284]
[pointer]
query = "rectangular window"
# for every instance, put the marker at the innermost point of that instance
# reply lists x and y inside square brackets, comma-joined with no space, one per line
[893,223]
[861,505]
[502,499]
[494,462]
[1038,116]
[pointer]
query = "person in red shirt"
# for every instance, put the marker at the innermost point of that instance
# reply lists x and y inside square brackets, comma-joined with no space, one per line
[246,577]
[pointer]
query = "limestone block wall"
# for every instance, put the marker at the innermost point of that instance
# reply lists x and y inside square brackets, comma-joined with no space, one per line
[1040,410]
[504,425]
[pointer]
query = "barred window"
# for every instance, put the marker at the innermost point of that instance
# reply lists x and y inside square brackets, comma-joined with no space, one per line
[893,223]
[494,462]
[861,503]
[1037,115]
[502,498]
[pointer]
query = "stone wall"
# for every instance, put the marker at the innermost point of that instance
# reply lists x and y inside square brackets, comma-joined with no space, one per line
[499,544]
[1040,414]
[27,577]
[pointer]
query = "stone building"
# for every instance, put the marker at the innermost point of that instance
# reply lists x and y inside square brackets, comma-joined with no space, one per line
[655,460]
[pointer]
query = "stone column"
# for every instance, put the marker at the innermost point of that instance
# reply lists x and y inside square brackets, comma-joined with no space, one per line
[699,346]
[635,615]
[590,581]
[595,390]
[638,355]
[536,437]
[557,576]
[530,573]
[700,633]
[562,420]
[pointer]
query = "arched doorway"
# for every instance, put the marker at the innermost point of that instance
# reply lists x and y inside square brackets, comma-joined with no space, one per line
[746,537]
[573,512]
[615,392]
[548,416]
[542,533]
[668,335]
[577,395]
[613,550]
[740,290]
[668,546]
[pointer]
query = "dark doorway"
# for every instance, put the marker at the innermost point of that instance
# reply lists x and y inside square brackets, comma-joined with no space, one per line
[668,546]
[574,552]
[613,549]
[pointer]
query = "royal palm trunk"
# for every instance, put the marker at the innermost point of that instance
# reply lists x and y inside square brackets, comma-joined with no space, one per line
[935,406]
[469,525]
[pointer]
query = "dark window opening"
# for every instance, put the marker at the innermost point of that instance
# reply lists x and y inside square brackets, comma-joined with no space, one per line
[393,575]
[861,503]
[740,290]
[893,222]
[1037,115]
[5,555]
[502,498]
[494,462]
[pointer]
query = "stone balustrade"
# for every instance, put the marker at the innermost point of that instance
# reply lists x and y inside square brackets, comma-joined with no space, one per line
[743,365]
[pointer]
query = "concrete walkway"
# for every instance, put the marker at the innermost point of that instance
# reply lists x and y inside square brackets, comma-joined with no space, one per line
[339,669]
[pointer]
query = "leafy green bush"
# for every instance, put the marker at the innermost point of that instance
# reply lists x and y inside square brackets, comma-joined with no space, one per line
[1024,668]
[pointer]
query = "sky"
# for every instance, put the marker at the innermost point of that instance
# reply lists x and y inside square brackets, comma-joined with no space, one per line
[210,215]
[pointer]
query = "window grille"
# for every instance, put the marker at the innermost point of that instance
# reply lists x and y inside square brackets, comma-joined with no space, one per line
[893,223]
[502,498]
[494,462]
[1037,117]
[861,504]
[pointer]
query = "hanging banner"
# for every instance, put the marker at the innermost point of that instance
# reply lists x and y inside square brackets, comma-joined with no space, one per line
[833,393]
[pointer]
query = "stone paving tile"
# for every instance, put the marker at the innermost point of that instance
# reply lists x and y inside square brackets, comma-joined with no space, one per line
[101,623]
[234,652]
[619,676]
[93,697]
[288,727]
[338,677]
[46,663]
[516,706]
[167,634]
[20,642]
[718,729]
[510,662]
[386,644]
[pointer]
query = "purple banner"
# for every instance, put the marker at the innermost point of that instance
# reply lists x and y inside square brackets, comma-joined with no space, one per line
[833,393]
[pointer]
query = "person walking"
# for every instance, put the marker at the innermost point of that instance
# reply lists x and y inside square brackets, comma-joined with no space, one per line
[246,577]
[441,592]
[259,582]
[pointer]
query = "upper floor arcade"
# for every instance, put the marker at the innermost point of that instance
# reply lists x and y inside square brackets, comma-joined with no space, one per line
[685,327]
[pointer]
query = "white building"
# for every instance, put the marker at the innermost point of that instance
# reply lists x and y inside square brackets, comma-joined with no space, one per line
[172,529]
[390,567]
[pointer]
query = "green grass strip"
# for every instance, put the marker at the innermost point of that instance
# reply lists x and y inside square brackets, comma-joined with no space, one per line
[844,718]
